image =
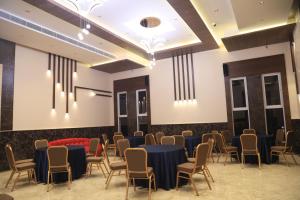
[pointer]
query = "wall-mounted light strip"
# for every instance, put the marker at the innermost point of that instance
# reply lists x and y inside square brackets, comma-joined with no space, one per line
[71,77]
[58,70]
[49,62]
[67,87]
[185,89]
[63,75]
[53,86]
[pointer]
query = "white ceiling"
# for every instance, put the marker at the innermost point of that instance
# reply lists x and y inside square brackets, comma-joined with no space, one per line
[122,17]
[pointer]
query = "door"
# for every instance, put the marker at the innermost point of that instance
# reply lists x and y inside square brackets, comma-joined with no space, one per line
[122,112]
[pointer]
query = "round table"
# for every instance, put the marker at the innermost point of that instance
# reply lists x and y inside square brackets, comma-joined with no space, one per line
[191,142]
[136,141]
[164,160]
[76,158]
[264,143]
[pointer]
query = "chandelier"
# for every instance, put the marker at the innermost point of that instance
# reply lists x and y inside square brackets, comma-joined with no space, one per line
[84,7]
[151,45]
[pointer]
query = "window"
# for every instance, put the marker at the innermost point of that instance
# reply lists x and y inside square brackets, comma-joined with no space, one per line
[141,101]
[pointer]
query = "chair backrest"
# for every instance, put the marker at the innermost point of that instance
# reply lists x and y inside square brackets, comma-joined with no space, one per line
[57,156]
[249,131]
[202,151]
[227,136]
[138,133]
[206,136]
[158,136]
[123,144]
[214,131]
[105,151]
[104,137]
[10,157]
[210,147]
[220,142]
[136,160]
[116,138]
[41,144]
[167,140]
[149,139]
[94,142]
[290,139]
[179,140]
[118,133]
[280,135]
[249,142]
[187,133]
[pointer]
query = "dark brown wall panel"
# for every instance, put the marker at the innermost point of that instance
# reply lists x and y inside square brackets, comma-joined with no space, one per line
[7,59]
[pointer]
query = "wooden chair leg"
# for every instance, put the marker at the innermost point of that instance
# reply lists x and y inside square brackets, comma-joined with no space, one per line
[149,192]
[34,176]
[109,179]
[48,180]
[99,165]
[133,181]
[259,161]
[127,187]
[154,181]
[177,177]
[226,156]
[237,156]
[204,173]
[69,179]
[209,174]
[292,154]
[28,175]
[16,180]
[106,169]
[193,185]
[10,177]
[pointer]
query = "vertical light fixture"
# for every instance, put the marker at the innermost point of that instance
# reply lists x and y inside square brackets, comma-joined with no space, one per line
[49,65]
[58,72]
[67,88]
[53,84]
[63,77]
[71,78]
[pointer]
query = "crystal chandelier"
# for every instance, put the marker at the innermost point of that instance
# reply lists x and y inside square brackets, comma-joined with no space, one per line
[151,45]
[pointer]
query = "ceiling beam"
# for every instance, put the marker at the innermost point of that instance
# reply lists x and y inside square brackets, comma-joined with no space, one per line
[118,66]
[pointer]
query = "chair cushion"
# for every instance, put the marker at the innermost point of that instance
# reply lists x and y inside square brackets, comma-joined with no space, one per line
[231,148]
[278,148]
[118,165]
[186,167]
[94,159]
[25,166]
[250,152]
[24,161]
[192,160]
[60,169]
[141,175]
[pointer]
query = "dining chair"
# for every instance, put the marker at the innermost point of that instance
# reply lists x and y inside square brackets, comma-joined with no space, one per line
[137,168]
[18,167]
[187,133]
[179,140]
[98,161]
[122,144]
[115,139]
[227,136]
[205,138]
[158,136]
[41,144]
[249,147]
[287,149]
[113,167]
[225,149]
[280,137]
[138,133]
[94,142]
[188,169]
[58,163]
[110,146]
[149,139]
[167,140]
[249,131]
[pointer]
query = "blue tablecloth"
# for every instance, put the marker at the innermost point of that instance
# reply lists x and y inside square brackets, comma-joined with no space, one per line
[191,142]
[264,143]
[164,160]
[136,141]
[76,158]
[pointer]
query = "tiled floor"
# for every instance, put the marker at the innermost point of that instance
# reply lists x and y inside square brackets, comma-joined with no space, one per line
[271,182]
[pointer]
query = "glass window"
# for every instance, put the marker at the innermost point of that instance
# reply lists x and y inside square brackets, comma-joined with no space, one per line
[238,93]
[241,121]
[275,120]
[272,90]
[122,103]
[142,102]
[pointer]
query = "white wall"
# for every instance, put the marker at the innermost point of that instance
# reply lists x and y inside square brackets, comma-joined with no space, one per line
[33,96]
[210,88]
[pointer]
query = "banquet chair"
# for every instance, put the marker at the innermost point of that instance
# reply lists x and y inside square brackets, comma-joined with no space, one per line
[210,148]
[18,167]
[249,147]
[224,149]
[205,138]
[98,161]
[287,149]
[41,144]
[115,139]
[187,133]
[110,146]
[167,140]
[149,139]
[118,133]
[179,140]
[122,144]
[58,163]
[158,136]
[138,133]
[279,138]
[94,142]
[188,169]
[137,168]
[113,167]
[249,131]
[227,136]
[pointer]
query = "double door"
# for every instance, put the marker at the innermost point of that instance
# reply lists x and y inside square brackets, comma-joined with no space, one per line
[257,103]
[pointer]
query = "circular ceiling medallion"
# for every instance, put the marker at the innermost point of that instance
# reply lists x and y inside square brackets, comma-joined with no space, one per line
[150,22]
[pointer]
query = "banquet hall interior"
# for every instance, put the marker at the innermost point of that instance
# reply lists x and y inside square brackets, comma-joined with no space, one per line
[149,99]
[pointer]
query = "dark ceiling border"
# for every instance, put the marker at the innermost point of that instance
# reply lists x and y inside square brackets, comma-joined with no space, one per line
[260,38]
[74,19]
[118,66]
